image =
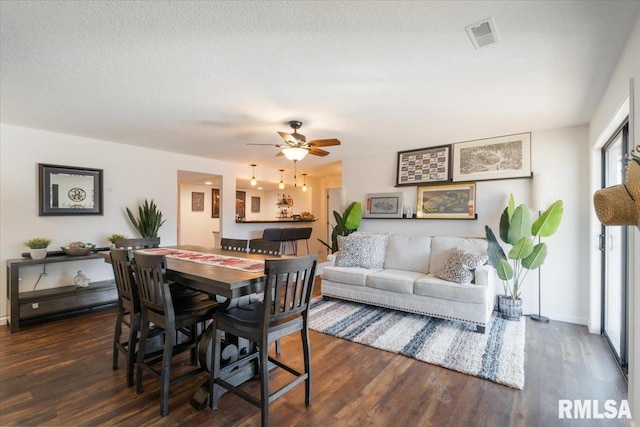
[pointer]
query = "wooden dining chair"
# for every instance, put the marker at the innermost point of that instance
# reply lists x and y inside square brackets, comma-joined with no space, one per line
[258,246]
[158,307]
[284,311]
[237,245]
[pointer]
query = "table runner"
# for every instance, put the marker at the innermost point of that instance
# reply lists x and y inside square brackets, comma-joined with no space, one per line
[226,261]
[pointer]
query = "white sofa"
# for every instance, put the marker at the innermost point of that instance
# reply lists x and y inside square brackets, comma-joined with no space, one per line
[405,279]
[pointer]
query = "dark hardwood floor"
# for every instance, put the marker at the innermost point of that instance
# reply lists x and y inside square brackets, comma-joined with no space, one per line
[59,373]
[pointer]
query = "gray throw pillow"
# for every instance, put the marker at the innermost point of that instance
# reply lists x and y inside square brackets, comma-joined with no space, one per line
[460,265]
[366,251]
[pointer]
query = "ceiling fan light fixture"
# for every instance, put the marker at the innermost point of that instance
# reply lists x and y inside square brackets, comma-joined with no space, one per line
[253,175]
[295,153]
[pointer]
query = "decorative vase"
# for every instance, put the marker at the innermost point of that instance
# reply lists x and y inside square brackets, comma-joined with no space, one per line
[510,309]
[38,253]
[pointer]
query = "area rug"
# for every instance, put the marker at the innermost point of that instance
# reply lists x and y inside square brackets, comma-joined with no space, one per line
[497,355]
[236,263]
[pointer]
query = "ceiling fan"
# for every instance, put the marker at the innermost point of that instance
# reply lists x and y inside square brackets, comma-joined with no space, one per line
[296,146]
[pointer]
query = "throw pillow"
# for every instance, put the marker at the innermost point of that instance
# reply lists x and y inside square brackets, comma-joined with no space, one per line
[458,267]
[366,251]
[350,254]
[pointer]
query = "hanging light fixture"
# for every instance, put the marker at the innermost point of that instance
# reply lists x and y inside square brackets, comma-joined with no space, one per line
[295,153]
[281,185]
[304,184]
[253,174]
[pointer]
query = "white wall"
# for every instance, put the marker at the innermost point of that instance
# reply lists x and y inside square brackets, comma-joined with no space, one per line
[196,228]
[628,67]
[560,158]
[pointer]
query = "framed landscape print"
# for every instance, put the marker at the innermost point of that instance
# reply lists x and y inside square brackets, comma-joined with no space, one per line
[503,157]
[447,201]
[383,205]
[432,164]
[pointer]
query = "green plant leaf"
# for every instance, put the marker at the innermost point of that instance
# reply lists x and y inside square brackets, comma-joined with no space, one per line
[547,224]
[511,206]
[494,250]
[149,219]
[536,258]
[521,249]
[504,270]
[504,225]
[519,225]
[353,216]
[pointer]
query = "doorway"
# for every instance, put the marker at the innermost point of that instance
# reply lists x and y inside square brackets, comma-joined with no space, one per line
[199,208]
[614,249]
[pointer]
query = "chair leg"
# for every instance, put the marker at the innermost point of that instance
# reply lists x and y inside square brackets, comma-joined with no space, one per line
[165,376]
[264,383]
[116,336]
[144,333]
[277,346]
[215,364]
[306,348]
[134,328]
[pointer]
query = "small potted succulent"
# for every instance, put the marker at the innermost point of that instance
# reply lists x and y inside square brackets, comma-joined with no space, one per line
[114,237]
[38,247]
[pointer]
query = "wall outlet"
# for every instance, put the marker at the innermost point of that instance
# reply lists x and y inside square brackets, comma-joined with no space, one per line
[35,305]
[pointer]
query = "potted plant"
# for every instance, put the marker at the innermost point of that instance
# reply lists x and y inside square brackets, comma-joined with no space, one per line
[112,239]
[346,224]
[149,219]
[517,230]
[38,247]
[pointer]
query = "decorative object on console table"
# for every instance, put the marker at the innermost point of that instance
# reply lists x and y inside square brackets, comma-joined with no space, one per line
[114,237]
[447,201]
[78,248]
[517,230]
[346,224]
[149,219]
[432,164]
[502,157]
[383,205]
[69,190]
[80,280]
[38,247]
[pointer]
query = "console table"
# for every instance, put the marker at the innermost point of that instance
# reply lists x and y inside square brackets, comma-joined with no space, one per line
[41,304]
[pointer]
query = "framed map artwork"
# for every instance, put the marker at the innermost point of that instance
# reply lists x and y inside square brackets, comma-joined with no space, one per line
[423,166]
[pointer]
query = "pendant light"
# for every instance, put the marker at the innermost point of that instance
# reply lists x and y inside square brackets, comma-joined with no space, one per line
[281,185]
[253,174]
[304,184]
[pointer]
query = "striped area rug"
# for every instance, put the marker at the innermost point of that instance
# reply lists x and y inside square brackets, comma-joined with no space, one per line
[497,355]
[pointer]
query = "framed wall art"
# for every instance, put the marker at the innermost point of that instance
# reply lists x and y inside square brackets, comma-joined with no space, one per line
[447,201]
[503,157]
[255,204]
[215,203]
[425,165]
[197,202]
[69,190]
[383,205]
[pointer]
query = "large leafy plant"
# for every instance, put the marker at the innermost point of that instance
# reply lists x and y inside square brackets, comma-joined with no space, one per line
[525,254]
[149,219]
[346,224]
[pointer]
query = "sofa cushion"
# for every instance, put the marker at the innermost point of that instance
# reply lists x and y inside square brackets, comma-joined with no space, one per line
[460,265]
[408,252]
[441,248]
[394,280]
[351,275]
[362,250]
[431,286]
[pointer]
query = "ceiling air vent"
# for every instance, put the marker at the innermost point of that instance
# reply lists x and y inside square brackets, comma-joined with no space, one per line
[482,33]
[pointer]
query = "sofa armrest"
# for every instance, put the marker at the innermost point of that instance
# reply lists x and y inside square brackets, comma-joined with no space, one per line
[486,276]
[332,257]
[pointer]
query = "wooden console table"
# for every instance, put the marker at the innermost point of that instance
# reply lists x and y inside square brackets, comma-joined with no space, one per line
[40,304]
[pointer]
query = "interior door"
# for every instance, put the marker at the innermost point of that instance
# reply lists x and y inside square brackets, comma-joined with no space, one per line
[614,256]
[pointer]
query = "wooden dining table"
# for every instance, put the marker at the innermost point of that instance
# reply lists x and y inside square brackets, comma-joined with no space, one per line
[232,287]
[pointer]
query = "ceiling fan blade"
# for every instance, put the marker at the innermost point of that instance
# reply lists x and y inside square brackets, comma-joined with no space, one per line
[324,142]
[288,138]
[280,153]
[270,145]
[318,152]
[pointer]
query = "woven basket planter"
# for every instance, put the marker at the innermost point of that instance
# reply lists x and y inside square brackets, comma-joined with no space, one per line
[510,309]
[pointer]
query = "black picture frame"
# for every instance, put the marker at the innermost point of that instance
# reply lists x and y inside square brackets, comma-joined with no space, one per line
[69,190]
[429,165]
[215,203]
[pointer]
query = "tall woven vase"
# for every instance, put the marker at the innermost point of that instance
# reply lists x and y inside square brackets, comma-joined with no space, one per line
[510,309]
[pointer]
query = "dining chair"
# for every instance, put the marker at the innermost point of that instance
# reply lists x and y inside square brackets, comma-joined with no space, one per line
[258,246]
[304,233]
[172,315]
[284,311]
[237,245]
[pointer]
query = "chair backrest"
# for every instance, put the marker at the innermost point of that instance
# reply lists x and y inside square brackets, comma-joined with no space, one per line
[304,233]
[138,243]
[272,234]
[289,234]
[125,282]
[257,246]
[288,288]
[238,245]
[151,272]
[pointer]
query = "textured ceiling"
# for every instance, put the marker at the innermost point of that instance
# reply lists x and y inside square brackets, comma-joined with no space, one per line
[205,78]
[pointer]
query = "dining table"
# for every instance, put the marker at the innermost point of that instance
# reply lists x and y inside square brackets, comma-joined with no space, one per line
[229,284]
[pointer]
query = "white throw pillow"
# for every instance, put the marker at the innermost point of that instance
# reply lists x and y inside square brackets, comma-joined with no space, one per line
[460,265]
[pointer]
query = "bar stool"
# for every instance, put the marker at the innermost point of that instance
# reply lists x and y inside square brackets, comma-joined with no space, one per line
[304,233]
[289,235]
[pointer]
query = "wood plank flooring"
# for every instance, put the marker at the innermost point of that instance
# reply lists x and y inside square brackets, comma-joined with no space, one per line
[59,373]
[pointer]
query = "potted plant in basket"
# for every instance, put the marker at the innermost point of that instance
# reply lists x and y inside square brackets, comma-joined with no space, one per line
[346,224]
[517,230]
[149,219]
[38,247]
